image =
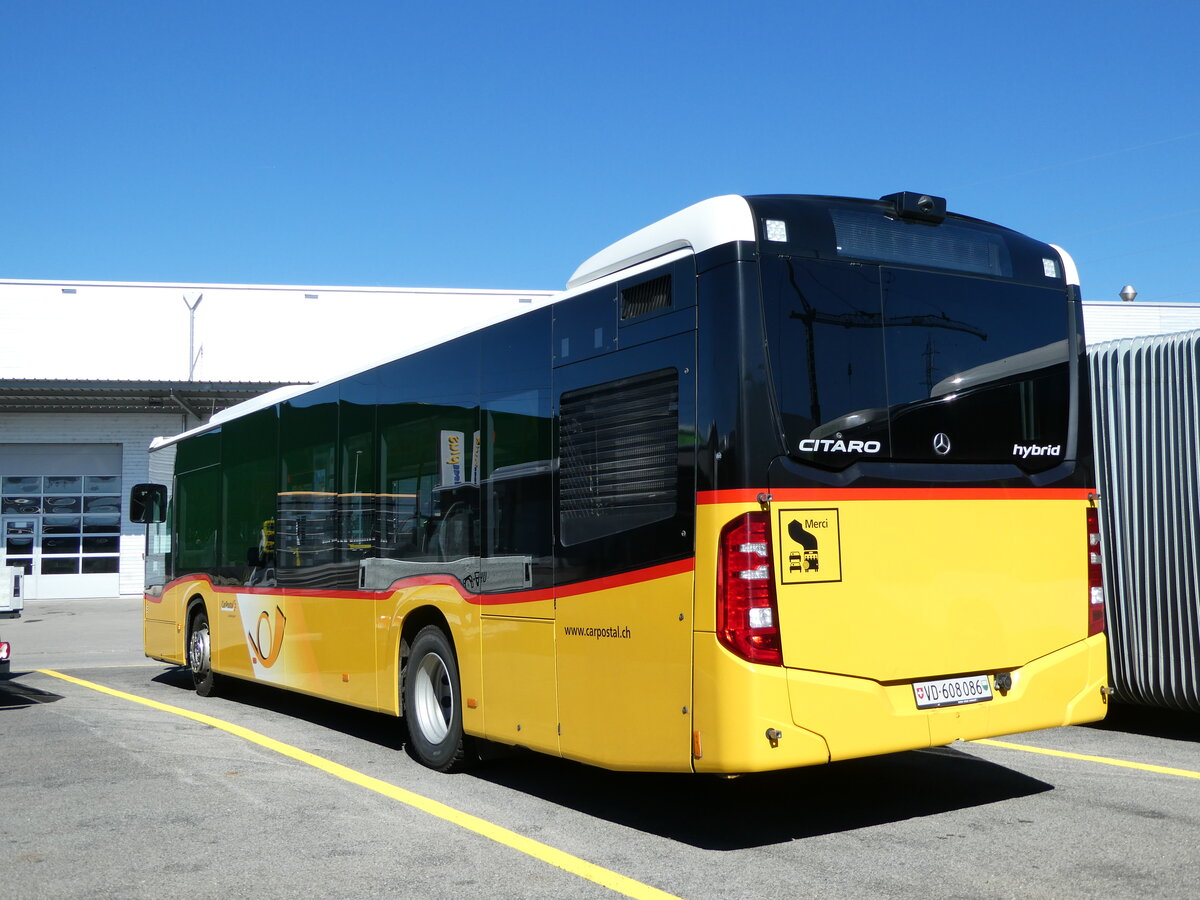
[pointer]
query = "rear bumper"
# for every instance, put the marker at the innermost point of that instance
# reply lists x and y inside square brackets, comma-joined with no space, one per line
[821,717]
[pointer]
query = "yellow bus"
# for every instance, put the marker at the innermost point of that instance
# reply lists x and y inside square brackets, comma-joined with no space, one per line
[777,480]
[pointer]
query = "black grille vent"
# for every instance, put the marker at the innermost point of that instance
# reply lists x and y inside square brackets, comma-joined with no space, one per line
[618,449]
[647,297]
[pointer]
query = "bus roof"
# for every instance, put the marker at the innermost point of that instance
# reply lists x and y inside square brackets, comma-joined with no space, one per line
[711,223]
[702,226]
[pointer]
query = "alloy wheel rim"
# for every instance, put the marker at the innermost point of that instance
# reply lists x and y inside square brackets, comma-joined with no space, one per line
[433,699]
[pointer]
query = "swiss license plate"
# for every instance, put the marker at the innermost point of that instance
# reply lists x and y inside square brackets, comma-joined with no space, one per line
[952,691]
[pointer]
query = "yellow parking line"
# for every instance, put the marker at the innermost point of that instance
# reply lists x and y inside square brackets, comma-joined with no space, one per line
[573,864]
[1105,760]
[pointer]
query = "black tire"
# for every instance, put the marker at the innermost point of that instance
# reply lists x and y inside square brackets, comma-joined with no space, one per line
[199,655]
[432,704]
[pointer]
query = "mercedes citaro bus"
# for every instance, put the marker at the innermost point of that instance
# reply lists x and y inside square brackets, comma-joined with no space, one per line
[777,480]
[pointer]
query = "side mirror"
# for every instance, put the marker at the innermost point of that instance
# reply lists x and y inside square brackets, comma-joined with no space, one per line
[148,503]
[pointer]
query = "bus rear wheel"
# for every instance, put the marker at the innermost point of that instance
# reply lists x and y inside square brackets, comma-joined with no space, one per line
[200,655]
[432,710]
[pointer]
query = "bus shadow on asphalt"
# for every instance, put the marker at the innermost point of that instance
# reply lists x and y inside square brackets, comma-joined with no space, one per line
[765,809]
[15,695]
[712,813]
[375,728]
[1151,721]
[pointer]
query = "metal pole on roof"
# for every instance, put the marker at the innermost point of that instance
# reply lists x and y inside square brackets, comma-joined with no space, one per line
[192,334]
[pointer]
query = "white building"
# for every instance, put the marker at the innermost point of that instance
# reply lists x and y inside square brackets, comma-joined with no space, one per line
[90,372]
[1107,321]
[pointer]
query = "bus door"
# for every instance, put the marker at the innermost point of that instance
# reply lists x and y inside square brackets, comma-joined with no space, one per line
[516,576]
[624,520]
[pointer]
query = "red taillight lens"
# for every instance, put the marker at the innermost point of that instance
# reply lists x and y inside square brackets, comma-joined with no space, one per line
[1095,575]
[3,650]
[747,614]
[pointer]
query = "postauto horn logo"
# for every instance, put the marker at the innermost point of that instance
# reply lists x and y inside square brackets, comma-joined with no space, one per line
[267,638]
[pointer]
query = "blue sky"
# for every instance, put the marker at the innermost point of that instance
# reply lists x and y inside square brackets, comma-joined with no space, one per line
[497,145]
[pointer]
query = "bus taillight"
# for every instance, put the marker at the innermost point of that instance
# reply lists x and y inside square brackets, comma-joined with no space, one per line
[1095,575]
[747,614]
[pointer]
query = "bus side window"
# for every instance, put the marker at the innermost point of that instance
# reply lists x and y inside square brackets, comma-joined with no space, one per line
[518,437]
[519,541]
[429,435]
[197,503]
[306,520]
[249,448]
[358,502]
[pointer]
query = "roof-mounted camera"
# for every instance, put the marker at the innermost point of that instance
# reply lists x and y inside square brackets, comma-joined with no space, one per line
[917,207]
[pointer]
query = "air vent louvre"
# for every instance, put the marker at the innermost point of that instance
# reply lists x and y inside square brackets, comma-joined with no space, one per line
[647,297]
[618,449]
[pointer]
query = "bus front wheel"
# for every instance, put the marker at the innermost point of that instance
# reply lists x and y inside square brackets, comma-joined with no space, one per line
[431,702]
[200,655]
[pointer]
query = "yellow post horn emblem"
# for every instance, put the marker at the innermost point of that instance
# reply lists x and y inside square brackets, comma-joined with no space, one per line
[274,637]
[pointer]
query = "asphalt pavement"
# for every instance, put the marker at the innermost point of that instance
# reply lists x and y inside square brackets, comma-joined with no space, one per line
[76,634]
[118,781]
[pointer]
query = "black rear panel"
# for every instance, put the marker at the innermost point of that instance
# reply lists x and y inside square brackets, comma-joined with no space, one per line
[876,350]
[898,364]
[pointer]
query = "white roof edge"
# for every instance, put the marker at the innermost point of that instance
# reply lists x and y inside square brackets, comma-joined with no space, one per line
[634,269]
[628,262]
[1070,273]
[308,288]
[701,226]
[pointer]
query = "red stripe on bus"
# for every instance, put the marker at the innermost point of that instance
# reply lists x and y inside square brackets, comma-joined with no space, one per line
[276,591]
[825,495]
[666,570]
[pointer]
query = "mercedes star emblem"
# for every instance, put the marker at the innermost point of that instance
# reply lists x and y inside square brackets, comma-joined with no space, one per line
[941,444]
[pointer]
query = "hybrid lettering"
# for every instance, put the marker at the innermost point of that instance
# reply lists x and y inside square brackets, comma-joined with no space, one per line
[1025,451]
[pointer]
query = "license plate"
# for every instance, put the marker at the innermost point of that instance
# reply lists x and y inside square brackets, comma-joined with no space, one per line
[952,691]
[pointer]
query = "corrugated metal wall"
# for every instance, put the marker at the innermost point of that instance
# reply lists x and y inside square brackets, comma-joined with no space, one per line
[1146,405]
